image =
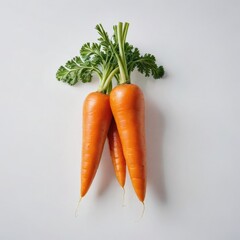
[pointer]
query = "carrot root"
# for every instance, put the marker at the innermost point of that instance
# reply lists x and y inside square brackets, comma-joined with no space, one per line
[127,104]
[143,211]
[123,198]
[116,152]
[77,208]
[97,118]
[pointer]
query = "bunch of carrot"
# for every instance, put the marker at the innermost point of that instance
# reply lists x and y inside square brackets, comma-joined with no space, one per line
[116,114]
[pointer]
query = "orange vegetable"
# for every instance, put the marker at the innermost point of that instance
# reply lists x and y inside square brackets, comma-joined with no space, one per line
[97,118]
[127,104]
[116,152]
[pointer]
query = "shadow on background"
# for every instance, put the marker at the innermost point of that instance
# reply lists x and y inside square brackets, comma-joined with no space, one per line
[154,139]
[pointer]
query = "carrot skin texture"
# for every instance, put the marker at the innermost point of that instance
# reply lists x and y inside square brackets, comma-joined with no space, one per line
[127,104]
[97,118]
[116,153]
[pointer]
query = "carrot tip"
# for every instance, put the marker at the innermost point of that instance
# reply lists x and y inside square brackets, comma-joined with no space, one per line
[123,198]
[77,208]
[143,210]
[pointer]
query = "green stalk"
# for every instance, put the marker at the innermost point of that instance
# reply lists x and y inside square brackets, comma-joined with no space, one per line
[121,34]
[110,77]
[107,81]
[125,31]
[109,88]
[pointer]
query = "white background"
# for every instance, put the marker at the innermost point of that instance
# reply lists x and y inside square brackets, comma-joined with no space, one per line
[192,122]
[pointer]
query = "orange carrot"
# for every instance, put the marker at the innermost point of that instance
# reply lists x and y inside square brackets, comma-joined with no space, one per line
[127,104]
[116,152]
[107,61]
[97,118]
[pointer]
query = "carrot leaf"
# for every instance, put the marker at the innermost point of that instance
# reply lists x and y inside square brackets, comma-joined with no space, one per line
[108,58]
[146,64]
[76,70]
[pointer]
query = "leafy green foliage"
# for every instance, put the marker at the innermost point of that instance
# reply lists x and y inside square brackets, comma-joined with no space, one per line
[108,57]
[92,53]
[93,58]
[76,70]
[146,64]
[104,39]
[132,55]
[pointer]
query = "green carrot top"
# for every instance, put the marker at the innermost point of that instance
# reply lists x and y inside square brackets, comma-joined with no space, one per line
[110,57]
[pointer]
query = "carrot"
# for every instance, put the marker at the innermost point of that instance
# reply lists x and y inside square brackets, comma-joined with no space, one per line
[116,152]
[94,59]
[127,104]
[112,57]
[97,118]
